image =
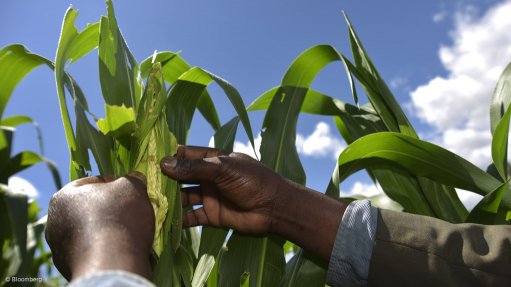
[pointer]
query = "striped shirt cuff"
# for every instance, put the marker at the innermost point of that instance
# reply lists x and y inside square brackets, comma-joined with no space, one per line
[111,278]
[353,247]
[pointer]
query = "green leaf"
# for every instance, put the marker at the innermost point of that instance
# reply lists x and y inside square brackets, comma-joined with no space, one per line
[15,63]
[20,162]
[501,98]
[119,121]
[184,96]
[118,69]
[225,136]
[203,269]
[5,147]
[278,148]
[72,46]
[100,145]
[17,210]
[83,43]
[419,196]
[165,273]
[377,91]
[485,212]
[173,66]
[234,263]
[499,145]
[207,108]
[393,150]
[305,269]
[278,151]
[15,121]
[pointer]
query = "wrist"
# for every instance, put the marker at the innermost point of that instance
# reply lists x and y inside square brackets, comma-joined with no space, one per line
[112,251]
[306,217]
[288,208]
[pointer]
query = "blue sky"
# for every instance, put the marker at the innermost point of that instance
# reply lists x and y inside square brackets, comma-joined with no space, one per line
[441,59]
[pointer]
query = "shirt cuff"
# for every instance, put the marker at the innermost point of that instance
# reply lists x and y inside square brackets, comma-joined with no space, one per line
[353,247]
[112,278]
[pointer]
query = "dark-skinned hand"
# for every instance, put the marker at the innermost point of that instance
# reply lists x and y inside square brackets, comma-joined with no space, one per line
[101,223]
[238,192]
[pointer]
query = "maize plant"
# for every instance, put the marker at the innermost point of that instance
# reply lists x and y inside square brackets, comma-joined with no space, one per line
[149,107]
[22,250]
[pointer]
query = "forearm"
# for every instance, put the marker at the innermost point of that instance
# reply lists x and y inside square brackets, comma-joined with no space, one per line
[307,218]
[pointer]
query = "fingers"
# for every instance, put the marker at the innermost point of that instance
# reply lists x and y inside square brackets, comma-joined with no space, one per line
[195,218]
[191,196]
[196,152]
[190,170]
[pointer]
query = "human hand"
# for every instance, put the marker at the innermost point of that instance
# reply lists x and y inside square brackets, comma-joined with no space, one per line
[238,192]
[101,223]
[235,190]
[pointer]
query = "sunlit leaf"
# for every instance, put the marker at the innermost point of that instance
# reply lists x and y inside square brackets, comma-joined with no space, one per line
[499,145]
[393,150]
[501,98]
[15,63]
[118,69]
[376,89]
[485,211]
[119,121]
[185,94]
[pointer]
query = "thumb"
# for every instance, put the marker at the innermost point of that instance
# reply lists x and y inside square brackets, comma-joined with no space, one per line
[190,170]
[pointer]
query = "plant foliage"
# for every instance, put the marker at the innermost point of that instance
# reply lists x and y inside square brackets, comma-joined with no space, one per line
[149,108]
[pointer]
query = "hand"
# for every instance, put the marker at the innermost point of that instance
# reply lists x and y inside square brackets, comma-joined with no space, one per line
[235,190]
[238,192]
[101,223]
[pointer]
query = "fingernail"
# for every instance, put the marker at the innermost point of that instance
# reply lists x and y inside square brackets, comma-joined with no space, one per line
[168,162]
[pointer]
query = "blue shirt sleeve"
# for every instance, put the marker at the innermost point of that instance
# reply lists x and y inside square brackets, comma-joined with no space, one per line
[353,247]
[113,278]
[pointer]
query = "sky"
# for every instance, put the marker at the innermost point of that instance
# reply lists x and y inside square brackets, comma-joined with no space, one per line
[440,58]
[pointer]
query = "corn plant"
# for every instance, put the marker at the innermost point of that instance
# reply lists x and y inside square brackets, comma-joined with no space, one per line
[22,250]
[143,122]
[418,175]
[148,111]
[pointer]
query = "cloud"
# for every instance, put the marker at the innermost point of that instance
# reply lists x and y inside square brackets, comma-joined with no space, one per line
[440,16]
[457,105]
[246,148]
[19,185]
[469,199]
[320,143]
[398,82]
[362,188]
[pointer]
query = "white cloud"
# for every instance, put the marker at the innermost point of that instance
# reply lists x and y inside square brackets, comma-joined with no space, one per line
[246,148]
[19,185]
[440,16]
[469,199]
[398,82]
[320,143]
[457,105]
[362,188]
